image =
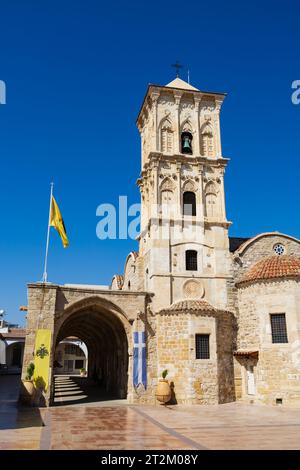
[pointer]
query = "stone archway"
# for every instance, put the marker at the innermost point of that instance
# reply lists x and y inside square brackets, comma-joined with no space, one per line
[104,319]
[14,354]
[103,330]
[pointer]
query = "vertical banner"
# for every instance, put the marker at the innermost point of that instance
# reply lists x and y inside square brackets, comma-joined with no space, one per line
[139,359]
[42,358]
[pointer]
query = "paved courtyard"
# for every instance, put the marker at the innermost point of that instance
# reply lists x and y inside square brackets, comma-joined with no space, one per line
[115,425]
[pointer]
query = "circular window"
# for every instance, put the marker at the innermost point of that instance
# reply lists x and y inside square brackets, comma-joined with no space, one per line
[279,249]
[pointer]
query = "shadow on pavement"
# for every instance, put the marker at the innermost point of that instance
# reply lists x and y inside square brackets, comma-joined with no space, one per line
[12,414]
[72,390]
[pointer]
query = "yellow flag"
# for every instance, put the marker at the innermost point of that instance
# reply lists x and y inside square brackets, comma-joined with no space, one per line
[57,222]
[42,358]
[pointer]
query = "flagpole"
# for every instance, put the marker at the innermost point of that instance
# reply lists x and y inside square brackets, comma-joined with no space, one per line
[45,275]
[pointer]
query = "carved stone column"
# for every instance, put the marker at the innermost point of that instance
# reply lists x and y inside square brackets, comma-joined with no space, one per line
[155,140]
[217,129]
[197,113]
[177,96]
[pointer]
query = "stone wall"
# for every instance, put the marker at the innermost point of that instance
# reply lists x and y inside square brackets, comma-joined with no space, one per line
[40,315]
[202,381]
[51,307]
[251,252]
[134,273]
[277,370]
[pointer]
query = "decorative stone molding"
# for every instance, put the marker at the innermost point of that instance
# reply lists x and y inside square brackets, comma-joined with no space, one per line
[189,186]
[193,289]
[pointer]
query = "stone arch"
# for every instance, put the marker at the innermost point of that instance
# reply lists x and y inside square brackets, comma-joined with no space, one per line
[166,134]
[186,137]
[166,192]
[211,201]
[211,188]
[166,184]
[207,140]
[14,353]
[106,331]
[189,185]
[251,241]
[186,126]
[129,270]
[117,282]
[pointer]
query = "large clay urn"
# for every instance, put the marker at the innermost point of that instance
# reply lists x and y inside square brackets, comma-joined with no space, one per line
[27,392]
[163,391]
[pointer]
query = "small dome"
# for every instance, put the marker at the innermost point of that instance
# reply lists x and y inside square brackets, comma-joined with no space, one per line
[194,305]
[273,267]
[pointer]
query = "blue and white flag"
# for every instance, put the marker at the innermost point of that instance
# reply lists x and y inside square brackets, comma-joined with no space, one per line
[139,359]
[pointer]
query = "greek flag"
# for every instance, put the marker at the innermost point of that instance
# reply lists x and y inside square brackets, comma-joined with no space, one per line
[139,359]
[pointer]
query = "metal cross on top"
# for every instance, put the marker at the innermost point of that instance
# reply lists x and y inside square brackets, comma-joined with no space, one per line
[177,66]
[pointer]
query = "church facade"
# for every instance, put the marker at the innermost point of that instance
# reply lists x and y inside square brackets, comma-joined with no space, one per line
[221,314]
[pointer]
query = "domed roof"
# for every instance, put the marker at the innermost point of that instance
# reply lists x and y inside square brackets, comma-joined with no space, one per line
[273,267]
[190,304]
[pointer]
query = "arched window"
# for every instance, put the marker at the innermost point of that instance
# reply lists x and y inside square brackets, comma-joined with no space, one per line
[207,141]
[166,136]
[211,208]
[189,203]
[186,142]
[166,194]
[211,201]
[191,260]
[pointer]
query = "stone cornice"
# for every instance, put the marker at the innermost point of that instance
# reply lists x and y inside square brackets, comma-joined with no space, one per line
[197,94]
[211,223]
[155,157]
[40,285]
[189,276]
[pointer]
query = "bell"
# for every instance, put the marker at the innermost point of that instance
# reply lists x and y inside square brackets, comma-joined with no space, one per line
[186,145]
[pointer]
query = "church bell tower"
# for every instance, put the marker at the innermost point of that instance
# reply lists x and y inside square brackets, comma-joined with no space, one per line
[184,230]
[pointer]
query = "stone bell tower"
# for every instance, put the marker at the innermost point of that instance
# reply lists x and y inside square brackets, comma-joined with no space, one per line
[184,230]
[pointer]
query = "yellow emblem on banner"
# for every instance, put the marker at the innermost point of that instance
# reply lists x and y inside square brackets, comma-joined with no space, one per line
[42,358]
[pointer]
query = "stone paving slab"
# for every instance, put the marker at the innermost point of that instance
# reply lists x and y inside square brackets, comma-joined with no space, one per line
[233,426]
[105,426]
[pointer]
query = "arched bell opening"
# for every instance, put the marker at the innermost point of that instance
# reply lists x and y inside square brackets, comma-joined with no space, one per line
[105,338]
[186,142]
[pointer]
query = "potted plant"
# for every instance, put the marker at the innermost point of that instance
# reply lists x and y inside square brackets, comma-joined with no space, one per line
[28,386]
[163,391]
[82,372]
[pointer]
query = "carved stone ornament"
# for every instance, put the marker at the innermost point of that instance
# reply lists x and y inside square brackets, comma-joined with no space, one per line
[193,290]
[189,186]
[167,185]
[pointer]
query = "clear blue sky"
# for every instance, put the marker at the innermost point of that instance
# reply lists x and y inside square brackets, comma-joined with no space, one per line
[76,73]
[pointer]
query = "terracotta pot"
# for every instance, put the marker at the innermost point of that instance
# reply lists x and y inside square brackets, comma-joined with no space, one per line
[163,391]
[29,387]
[82,374]
[27,392]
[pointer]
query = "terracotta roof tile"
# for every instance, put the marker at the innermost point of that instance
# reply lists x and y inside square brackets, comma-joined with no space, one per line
[273,267]
[246,352]
[135,254]
[194,305]
[120,280]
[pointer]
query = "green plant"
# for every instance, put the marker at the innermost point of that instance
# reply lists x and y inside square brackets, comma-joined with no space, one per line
[164,373]
[82,370]
[29,371]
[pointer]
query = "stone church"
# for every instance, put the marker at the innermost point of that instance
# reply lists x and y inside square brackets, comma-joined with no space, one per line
[221,314]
